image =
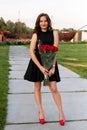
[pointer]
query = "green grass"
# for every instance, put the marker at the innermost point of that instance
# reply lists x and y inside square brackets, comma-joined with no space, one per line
[3,84]
[74,57]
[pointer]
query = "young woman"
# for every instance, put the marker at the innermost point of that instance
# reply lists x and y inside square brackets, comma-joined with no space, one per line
[35,72]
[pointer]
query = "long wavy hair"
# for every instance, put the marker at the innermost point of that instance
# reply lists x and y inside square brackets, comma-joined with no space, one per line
[37,27]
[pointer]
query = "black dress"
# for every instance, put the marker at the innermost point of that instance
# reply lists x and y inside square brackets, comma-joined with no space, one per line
[33,73]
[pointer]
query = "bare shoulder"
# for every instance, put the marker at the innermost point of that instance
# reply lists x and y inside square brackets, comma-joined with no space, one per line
[55,32]
[34,35]
[33,41]
[56,38]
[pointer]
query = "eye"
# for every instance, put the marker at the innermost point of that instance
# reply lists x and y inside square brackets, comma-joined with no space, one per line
[45,21]
[41,21]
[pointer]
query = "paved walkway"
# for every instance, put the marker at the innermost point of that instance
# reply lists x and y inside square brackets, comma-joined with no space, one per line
[22,112]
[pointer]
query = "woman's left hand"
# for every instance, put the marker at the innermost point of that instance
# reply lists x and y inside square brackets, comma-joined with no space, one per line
[51,71]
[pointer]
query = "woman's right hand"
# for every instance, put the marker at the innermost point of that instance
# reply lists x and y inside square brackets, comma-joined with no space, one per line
[43,70]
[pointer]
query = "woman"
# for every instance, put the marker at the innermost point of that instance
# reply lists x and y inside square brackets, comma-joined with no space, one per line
[35,72]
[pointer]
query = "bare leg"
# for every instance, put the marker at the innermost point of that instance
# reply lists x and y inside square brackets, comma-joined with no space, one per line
[57,98]
[37,95]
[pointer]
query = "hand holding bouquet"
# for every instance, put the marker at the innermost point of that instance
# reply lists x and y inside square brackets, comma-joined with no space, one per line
[47,53]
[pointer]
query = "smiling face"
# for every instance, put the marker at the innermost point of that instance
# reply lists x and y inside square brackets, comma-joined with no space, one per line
[43,23]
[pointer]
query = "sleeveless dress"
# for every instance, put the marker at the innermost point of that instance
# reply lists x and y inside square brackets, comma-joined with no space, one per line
[33,73]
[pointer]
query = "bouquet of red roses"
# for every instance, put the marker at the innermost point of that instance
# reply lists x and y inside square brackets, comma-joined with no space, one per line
[47,53]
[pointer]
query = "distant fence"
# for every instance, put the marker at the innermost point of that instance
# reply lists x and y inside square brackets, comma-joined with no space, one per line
[63,36]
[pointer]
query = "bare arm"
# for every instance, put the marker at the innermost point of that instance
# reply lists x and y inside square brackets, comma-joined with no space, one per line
[56,40]
[32,54]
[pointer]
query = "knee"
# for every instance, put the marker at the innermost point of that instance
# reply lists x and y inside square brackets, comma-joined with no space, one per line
[53,87]
[37,87]
[53,90]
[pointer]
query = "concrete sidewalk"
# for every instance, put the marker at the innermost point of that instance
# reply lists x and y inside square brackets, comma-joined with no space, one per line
[22,111]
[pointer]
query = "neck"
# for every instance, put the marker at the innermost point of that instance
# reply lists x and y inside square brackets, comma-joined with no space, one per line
[43,30]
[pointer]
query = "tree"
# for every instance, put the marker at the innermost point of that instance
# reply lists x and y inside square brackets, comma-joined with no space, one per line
[14,28]
[10,26]
[2,24]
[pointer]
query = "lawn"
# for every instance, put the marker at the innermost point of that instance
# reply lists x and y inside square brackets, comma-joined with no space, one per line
[4,65]
[74,57]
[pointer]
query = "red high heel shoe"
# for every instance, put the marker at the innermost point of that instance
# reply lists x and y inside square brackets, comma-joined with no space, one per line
[62,122]
[42,120]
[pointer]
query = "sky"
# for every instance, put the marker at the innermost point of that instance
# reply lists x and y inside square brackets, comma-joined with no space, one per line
[63,13]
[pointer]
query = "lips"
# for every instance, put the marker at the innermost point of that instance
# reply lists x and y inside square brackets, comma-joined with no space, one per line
[43,25]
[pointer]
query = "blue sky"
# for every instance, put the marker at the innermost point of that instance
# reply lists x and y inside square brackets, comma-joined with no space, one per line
[63,13]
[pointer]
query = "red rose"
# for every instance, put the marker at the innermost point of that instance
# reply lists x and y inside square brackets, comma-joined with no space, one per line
[48,48]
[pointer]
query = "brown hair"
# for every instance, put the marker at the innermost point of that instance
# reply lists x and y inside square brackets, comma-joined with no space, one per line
[37,24]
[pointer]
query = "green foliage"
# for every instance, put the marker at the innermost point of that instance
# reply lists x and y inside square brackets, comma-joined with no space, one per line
[4,65]
[10,26]
[14,43]
[2,24]
[15,28]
